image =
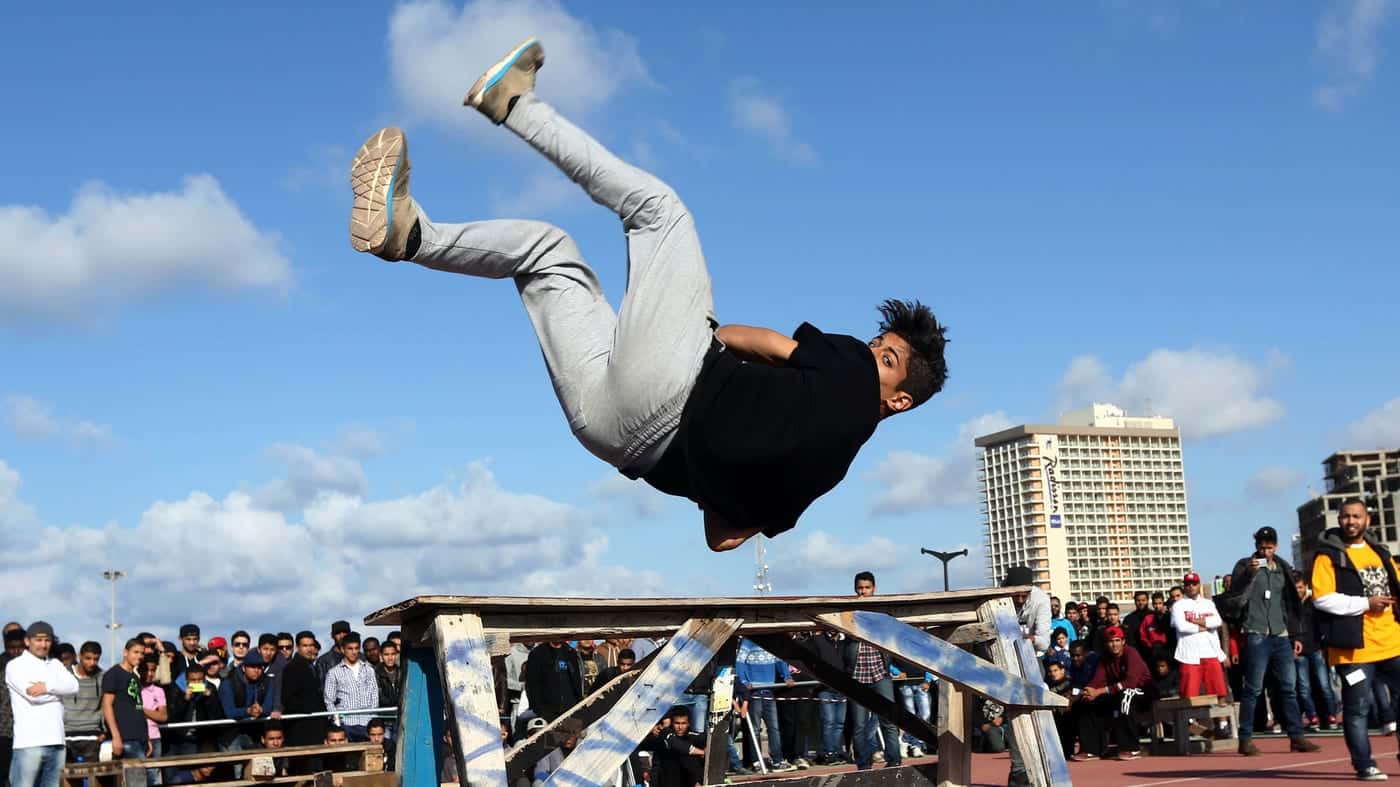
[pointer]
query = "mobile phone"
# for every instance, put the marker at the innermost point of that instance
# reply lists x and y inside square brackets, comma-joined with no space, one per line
[197,686]
[1260,562]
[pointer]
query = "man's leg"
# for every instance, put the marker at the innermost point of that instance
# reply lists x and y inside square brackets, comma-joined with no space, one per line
[773,730]
[1322,677]
[24,765]
[1254,661]
[862,736]
[888,730]
[1356,706]
[1189,682]
[1281,665]
[1303,689]
[51,771]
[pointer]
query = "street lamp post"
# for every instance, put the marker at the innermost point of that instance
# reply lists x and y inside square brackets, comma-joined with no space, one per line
[945,557]
[113,576]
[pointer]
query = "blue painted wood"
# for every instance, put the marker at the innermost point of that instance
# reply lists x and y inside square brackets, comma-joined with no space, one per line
[942,659]
[1041,724]
[421,724]
[608,742]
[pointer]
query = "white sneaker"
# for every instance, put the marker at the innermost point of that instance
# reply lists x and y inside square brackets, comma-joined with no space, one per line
[1372,774]
[915,751]
[1389,728]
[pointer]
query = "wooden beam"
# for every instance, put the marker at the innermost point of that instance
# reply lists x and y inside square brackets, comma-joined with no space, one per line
[971,634]
[921,775]
[548,627]
[720,715]
[610,740]
[420,727]
[1033,732]
[957,711]
[470,692]
[523,755]
[948,662]
[792,650]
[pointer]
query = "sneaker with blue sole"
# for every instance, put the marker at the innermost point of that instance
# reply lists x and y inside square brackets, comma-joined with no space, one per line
[511,77]
[383,214]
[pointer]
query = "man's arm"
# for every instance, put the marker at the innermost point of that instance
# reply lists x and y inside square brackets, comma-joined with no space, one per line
[757,344]
[722,536]
[332,690]
[109,715]
[1325,595]
[1040,625]
[1179,621]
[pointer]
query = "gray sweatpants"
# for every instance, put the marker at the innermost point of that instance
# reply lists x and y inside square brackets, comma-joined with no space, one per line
[621,378]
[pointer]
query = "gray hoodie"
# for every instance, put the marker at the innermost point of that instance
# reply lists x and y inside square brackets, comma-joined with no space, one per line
[82,712]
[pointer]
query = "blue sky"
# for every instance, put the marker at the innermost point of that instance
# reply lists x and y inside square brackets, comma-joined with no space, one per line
[1187,208]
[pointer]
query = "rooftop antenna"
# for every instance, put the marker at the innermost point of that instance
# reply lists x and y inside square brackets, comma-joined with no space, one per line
[760,568]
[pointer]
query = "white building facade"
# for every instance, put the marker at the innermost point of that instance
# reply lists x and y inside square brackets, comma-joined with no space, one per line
[1095,504]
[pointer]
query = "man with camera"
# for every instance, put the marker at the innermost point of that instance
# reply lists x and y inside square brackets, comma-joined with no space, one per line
[1271,619]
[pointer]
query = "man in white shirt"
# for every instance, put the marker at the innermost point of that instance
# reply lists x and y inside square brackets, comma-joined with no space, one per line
[36,683]
[1198,643]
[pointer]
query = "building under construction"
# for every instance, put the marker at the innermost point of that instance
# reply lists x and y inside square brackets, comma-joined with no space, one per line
[1373,476]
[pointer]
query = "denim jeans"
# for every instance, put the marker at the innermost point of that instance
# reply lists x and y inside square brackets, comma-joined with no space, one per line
[700,712]
[37,766]
[1273,655]
[833,712]
[153,775]
[764,709]
[622,378]
[864,733]
[1357,699]
[915,700]
[134,751]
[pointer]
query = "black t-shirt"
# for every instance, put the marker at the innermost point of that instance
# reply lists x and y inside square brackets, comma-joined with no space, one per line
[757,444]
[131,719]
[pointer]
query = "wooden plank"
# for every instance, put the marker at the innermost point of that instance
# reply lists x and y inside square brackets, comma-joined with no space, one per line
[767,608]
[470,692]
[421,723]
[555,626]
[942,659]
[921,775]
[956,714]
[791,650]
[1034,732]
[717,725]
[971,634]
[523,755]
[214,758]
[609,741]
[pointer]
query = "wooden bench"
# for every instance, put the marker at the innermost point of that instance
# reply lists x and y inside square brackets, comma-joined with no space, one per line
[448,642]
[363,758]
[1180,712]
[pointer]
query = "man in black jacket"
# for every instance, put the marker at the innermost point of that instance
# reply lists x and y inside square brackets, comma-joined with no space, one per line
[301,693]
[1271,624]
[553,679]
[832,704]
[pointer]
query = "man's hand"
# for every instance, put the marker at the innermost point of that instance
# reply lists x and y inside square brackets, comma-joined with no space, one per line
[721,536]
[188,695]
[1093,693]
[1235,660]
[789,681]
[1253,567]
[760,345]
[116,744]
[150,749]
[1380,603]
[37,689]
[255,710]
[1297,648]
[277,714]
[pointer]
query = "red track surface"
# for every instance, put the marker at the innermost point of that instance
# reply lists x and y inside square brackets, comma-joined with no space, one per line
[1222,769]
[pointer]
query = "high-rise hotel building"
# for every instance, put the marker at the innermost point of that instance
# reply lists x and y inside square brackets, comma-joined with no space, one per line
[1095,504]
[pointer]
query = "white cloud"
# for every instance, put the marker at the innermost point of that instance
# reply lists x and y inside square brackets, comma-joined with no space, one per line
[309,475]
[1379,428]
[911,481]
[639,498]
[33,419]
[111,247]
[757,112]
[1347,41]
[822,563]
[230,562]
[1208,393]
[438,49]
[1270,482]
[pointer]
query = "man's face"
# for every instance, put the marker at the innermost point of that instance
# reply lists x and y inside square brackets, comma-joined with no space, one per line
[307,648]
[1266,549]
[1103,610]
[268,651]
[1176,594]
[14,648]
[1019,599]
[1055,672]
[1054,608]
[1140,602]
[1112,616]
[285,647]
[1072,614]
[335,737]
[148,673]
[865,587]
[1159,604]
[586,646]
[1077,657]
[1301,588]
[1353,521]
[39,646]
[338,636]
[253,673]
[132,657]
[625,665]
[190,643]
[376,735]
[1115,646]
[194,675]
[351,651]
[240,648]
[892,358]
[371,652]
[273,739]
[681,724]
[1192,589]
[389,655]
[87,662]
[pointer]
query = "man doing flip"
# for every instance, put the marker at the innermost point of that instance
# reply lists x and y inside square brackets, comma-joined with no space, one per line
[748,423]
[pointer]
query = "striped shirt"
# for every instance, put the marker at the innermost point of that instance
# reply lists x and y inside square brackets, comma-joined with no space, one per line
[352,688]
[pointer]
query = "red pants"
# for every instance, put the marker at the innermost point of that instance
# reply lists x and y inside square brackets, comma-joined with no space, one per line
[1208,670]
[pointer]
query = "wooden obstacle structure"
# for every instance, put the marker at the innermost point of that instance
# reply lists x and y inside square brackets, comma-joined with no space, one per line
[449,687]
[364,763]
